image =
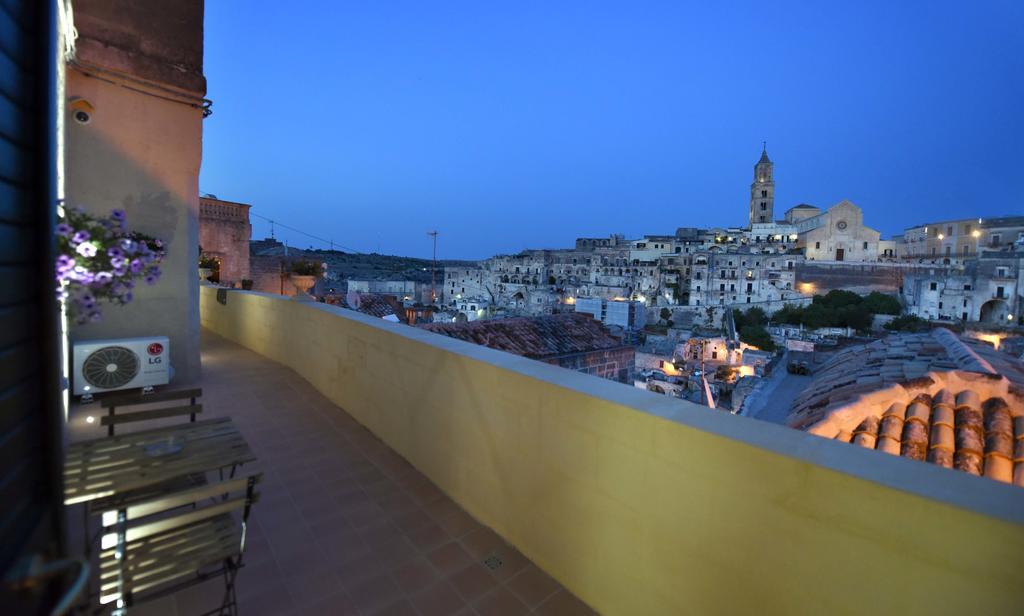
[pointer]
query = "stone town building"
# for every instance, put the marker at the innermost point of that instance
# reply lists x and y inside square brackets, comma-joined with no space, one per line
[987,289]
[224,234]
[836,234]
[627,314]
[460,282]
[936,397]
[955,241]
[571,341]
[762,191]
[743,276]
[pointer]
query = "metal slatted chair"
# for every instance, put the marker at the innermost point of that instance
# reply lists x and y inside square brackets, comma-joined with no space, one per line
[154,548]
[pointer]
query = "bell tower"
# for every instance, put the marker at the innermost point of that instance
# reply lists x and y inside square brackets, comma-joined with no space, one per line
[762,191]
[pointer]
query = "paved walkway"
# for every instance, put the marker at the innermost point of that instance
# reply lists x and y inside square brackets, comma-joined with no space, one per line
[345,525]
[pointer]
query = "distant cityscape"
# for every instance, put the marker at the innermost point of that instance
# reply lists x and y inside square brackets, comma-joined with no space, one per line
[771,319]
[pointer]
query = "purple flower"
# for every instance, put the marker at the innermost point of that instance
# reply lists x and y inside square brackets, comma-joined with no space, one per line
[86,249]
[64,263]
[81,236]
[151,278]
[127,297]
[104,278]
[129,246]
[137,266]
[115,253]
[64,229]
[118,261]
[130,284]
[117,215]
[158,243]
[81,275]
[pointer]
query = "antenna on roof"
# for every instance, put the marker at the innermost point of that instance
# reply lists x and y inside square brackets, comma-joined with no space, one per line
[433,268]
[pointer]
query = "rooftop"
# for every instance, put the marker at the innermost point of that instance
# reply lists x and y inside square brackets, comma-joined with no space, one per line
[534,337]
[899,395]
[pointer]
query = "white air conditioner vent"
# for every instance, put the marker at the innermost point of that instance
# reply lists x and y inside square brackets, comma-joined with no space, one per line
[111,365]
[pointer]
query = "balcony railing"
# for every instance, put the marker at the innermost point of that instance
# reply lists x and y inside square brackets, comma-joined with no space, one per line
[643,504]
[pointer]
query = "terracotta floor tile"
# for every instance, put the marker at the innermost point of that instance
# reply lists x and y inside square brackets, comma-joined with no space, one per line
[410,520]
[375,593]
[271,600]
[481,542]
[414,575]
[512,562]
[402,607]
[449,558]
[472,582]
[359,569]
[533,586]
[459,523]
[335,604]
[439,599]
[429,537]
[500,601]
[308,585]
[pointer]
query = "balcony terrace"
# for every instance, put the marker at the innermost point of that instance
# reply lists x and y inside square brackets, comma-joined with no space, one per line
[398,461]
[344,524]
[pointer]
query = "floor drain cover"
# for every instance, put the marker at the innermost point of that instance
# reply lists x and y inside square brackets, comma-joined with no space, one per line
[492,562]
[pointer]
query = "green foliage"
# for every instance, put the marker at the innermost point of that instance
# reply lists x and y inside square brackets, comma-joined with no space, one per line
[907,323]
[758,336]
[208,262]
[838,298]
[753,316]
[880,303]
[305,267]
[839,308]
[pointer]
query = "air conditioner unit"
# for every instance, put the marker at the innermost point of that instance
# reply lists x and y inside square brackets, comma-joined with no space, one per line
[128,363]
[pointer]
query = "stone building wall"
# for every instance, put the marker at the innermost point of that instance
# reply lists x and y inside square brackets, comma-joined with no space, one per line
[617,364]
[224,233]
[133,141]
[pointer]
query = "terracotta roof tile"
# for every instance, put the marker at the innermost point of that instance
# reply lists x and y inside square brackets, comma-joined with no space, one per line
[535,337]
[931,397]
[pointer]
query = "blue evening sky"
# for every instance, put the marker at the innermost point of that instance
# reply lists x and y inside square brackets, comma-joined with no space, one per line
[527,124]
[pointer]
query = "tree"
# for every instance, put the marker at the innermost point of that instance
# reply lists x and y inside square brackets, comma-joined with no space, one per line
[856,316]
[881,303]
[757,335]
[907,323]
[837,298]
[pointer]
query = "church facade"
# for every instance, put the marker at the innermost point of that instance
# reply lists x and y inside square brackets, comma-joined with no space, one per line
[835,234]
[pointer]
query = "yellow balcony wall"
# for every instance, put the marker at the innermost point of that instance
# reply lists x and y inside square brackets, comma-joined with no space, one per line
[641,504]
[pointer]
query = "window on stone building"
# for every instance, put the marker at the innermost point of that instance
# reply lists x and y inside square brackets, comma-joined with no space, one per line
[933,286]
[764,206]
[965,303]
[967,287]
[865,245]
[940,305]
[817,245]
[764,193]
[721,287]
